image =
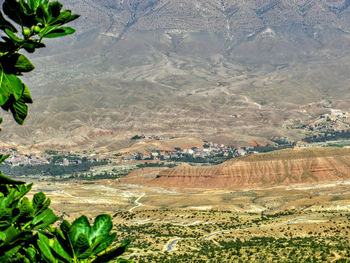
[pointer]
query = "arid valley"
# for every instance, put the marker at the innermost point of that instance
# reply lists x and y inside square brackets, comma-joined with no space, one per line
[204,223]
[202,130]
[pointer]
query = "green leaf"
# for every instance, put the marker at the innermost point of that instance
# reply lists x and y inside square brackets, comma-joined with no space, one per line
[23,64]
[9,85]
[123,260]
[44,219]
[31,254]
[2,236]
[13,36]
[44,246]
[105,243]
[61,252]
[81,246]
[38,200]
[19,111]
[19,12]
[60,32]
[26,209]
[64,18]
[13,10]
[64,240]
[55,9]
[30,45]
[65,226]
[79,226]
[113,254]
[16,64]
[5,24]
[42,13]
[6,180]
[3,157]
[101,227]
[11,234]
[18,108]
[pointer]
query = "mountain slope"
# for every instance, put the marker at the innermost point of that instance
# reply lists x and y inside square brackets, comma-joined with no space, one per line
[185,68]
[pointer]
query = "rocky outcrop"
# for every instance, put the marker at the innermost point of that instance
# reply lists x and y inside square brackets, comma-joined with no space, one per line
[286,167]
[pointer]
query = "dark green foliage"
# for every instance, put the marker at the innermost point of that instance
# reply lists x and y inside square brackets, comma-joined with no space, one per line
[20,219]
[328,136]
[50,169]
[26,227]
[80,241]
[38,19]
[169,165]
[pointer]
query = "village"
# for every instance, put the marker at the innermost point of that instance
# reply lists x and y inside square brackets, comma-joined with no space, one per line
[334,121]
[65,158]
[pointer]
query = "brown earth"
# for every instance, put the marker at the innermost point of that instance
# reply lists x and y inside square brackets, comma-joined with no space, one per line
[280,168]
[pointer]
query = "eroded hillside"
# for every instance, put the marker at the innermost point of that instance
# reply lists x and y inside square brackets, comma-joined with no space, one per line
[280,168]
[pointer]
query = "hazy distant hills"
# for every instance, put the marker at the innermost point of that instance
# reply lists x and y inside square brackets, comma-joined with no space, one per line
[234,70]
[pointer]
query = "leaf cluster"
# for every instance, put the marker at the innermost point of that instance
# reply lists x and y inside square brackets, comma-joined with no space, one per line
[19,218]
[80,242]
[27,232]
[37,20]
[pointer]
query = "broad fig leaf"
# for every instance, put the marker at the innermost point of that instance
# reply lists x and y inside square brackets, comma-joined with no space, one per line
[19,111]
[64,241]
[13,96]
[101,227]
[9,85]
[12,234]
[16,64]
[18,108]
[79,226]
[19,12]
[38,200]
[26,208]
[31,254]
[42,13]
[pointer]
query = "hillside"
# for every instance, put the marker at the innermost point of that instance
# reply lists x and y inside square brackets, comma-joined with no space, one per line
[279,168]
[204,69]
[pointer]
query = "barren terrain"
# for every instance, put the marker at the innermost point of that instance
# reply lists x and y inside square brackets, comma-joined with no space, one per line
[203,225]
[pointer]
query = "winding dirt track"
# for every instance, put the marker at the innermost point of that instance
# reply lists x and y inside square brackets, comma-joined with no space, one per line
[137,203]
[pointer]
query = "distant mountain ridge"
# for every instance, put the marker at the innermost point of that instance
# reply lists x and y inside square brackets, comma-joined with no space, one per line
[200,68]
